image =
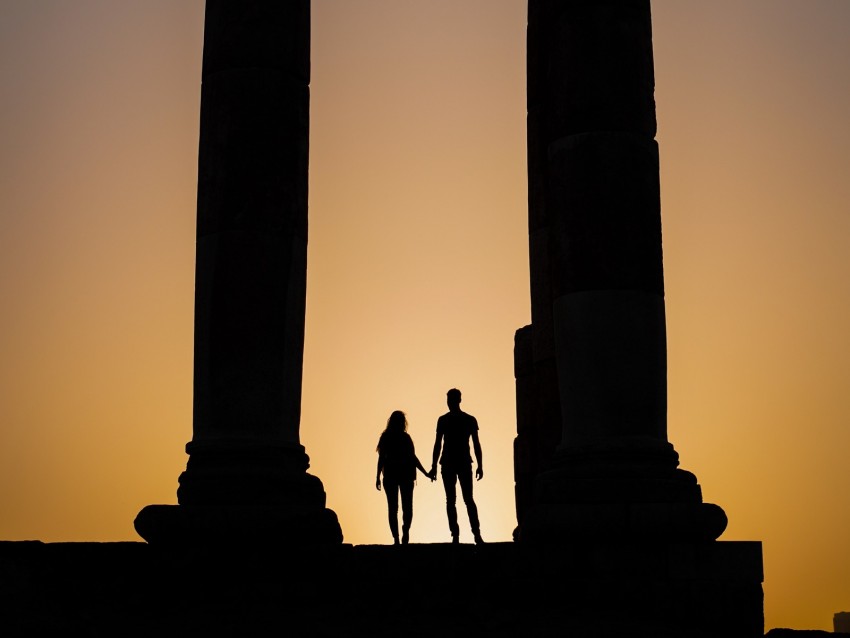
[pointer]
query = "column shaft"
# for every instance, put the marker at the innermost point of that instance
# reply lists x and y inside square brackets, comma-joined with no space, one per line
[597,278]
[246,475]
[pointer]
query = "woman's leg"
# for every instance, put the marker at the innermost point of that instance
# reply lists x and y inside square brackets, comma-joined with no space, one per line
[391,490]
[406,489]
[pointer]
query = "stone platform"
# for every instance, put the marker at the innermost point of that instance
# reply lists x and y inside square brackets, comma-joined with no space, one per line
[711,590]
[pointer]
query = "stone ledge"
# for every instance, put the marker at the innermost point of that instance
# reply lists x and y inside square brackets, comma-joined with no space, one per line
[708,590]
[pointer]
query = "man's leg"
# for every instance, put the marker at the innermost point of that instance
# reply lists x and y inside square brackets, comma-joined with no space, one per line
[391,490]
[449,478]
[406,489]
[465,479]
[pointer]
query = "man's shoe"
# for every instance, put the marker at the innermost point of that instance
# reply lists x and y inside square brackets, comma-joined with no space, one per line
[478,539]
[455,539]
[405,537]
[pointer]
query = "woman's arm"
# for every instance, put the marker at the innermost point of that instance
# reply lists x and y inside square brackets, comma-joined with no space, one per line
[421,468]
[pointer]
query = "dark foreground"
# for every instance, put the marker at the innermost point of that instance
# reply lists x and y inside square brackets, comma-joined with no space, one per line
[711,590]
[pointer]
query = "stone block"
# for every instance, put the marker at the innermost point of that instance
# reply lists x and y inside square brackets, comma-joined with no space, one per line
[254,153]
[499,590]
[594,69]
[257,34]
[612,367]
[604,212]
[541,292]
[523,353]
[537,146]
[250,294]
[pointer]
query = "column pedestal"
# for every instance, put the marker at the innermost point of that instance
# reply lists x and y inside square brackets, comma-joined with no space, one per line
[237,492]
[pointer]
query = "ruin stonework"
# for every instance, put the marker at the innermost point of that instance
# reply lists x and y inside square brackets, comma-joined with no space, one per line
[593,464]
[498,590]
[246,477]
[598,287]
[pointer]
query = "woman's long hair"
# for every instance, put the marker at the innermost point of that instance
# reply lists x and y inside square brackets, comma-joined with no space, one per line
[395,424]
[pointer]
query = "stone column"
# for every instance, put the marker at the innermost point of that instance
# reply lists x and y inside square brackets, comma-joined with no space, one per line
[538,405]
[246,478]
[594,158]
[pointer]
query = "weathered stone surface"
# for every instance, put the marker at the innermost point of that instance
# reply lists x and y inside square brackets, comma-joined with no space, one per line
[500,590]
[250,297]
[781,632]
[253,153]
[229,524]
[538,419]
[254,473]
[257,33]
[663,522]
[525,458]
[612,348]
[591,66]
[604,210]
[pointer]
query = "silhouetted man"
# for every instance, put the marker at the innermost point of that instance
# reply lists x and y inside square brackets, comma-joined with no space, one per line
[454,430]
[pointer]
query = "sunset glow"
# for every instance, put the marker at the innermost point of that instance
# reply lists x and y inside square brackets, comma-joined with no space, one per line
[418,262]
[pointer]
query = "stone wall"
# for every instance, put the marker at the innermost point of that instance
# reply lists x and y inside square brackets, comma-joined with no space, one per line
[710,590]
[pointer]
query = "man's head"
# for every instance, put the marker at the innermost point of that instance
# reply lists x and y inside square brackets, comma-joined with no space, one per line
[453,398]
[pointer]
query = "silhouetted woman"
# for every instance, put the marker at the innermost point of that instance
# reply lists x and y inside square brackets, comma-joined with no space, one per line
[398,463]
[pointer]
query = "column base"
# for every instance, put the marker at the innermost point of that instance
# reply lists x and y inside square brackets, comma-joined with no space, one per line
[660,522]
[237,491]
[234,524]
[625,488]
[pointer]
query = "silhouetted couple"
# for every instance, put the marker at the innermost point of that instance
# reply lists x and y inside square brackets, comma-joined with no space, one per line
[397,462]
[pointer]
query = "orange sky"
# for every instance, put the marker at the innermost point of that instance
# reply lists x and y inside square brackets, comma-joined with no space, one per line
[418,264]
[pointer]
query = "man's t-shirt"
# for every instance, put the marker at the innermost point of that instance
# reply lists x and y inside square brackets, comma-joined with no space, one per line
[456,428]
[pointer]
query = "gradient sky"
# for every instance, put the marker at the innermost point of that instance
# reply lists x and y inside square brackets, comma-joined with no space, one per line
[418,261]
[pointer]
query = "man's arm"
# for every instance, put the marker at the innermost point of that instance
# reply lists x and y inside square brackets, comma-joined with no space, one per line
[479,457]
[438,444]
